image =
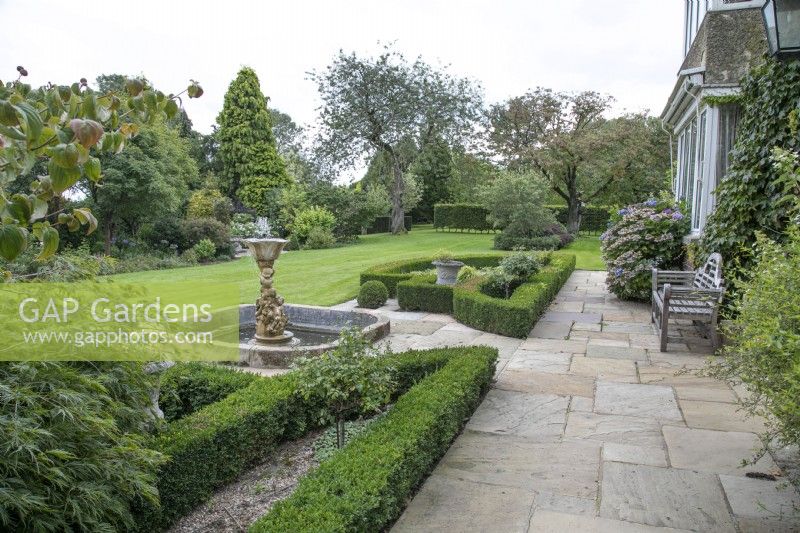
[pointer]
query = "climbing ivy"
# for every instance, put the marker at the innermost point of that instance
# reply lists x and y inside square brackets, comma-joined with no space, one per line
[722,99]
[752,197]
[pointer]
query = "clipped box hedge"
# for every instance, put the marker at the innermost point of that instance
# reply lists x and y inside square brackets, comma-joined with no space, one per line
[390,274]
[217,443]
[420,293]
[187,387]
[515,316]
[366,485]
[214,445]
[461,217]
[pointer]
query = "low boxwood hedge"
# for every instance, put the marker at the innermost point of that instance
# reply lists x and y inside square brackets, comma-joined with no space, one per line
[390,274]
[216,444]
[187,387]
[461,217]
[420,293]
[365,486]
[515,316]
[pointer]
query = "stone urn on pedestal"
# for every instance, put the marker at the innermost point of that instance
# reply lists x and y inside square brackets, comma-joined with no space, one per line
[270,317]
[446,269]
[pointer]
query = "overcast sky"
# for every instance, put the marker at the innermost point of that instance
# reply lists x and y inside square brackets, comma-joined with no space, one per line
[630,49]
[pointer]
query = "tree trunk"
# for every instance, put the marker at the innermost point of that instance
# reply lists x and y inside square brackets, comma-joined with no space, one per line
[574,215]
[398,187]
[108,234]
[340,433]
[574,202]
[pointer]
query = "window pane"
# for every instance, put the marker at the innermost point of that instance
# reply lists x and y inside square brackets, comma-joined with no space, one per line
[788,23]
[691,160]
[701,158]
[726,138]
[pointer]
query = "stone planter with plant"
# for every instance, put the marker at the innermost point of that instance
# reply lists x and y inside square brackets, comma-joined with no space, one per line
[446,268]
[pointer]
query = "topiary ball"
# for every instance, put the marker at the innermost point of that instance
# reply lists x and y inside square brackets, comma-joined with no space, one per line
[372,294]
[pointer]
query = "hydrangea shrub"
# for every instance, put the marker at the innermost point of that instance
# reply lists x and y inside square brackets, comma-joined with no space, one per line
[641,237]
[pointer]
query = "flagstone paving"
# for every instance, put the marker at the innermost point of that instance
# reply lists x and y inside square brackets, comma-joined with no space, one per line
[589,427]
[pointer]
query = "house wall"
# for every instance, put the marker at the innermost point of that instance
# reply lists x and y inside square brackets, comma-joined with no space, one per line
[730,41]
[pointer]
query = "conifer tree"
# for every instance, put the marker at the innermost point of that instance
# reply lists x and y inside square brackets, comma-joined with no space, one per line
[252,169]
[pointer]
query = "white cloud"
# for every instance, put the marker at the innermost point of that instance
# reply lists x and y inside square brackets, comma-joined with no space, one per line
[627,48]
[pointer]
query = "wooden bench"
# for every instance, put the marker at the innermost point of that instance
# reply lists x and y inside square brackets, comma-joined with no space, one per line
[688,295]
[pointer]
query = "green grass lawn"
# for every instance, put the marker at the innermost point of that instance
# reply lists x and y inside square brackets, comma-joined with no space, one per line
[328,277]
[587,252]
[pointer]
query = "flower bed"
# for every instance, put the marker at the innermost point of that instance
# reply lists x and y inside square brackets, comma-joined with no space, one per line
[216,444]
[366,485]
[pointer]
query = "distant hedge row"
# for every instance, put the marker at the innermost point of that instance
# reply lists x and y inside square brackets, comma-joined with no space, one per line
[594,218]
[366,485]
[461,217]
[384,225]
[390,274]
[472,217]
[215,444]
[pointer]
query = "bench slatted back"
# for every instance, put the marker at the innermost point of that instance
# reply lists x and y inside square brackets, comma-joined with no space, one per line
[710,275]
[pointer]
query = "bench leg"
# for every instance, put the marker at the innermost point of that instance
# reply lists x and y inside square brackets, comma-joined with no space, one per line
[713,334]
[664,336]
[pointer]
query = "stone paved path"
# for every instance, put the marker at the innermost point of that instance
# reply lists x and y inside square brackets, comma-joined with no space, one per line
[589,427]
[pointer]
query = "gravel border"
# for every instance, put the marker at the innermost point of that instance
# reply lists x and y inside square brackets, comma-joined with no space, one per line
[240,503]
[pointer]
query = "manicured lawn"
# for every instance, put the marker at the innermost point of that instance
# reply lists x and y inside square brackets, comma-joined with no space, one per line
[328,277]
[587,252]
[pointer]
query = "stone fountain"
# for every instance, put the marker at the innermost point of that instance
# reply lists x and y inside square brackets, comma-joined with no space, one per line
[270,317]
[265,341]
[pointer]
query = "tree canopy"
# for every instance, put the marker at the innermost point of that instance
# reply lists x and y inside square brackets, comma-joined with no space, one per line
[373,104]
[544,130]
[156,169]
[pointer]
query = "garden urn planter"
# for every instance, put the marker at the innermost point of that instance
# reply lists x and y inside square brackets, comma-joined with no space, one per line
[447,272]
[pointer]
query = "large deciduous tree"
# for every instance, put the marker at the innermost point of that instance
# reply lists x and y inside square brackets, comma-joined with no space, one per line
[252,169]
[547,131]
[626,160]
[370,105]
[156,169]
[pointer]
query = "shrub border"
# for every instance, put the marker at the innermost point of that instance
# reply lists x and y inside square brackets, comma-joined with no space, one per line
[366,485]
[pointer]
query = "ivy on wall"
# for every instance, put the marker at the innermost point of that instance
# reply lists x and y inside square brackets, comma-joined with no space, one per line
[752,197]
[722,99]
